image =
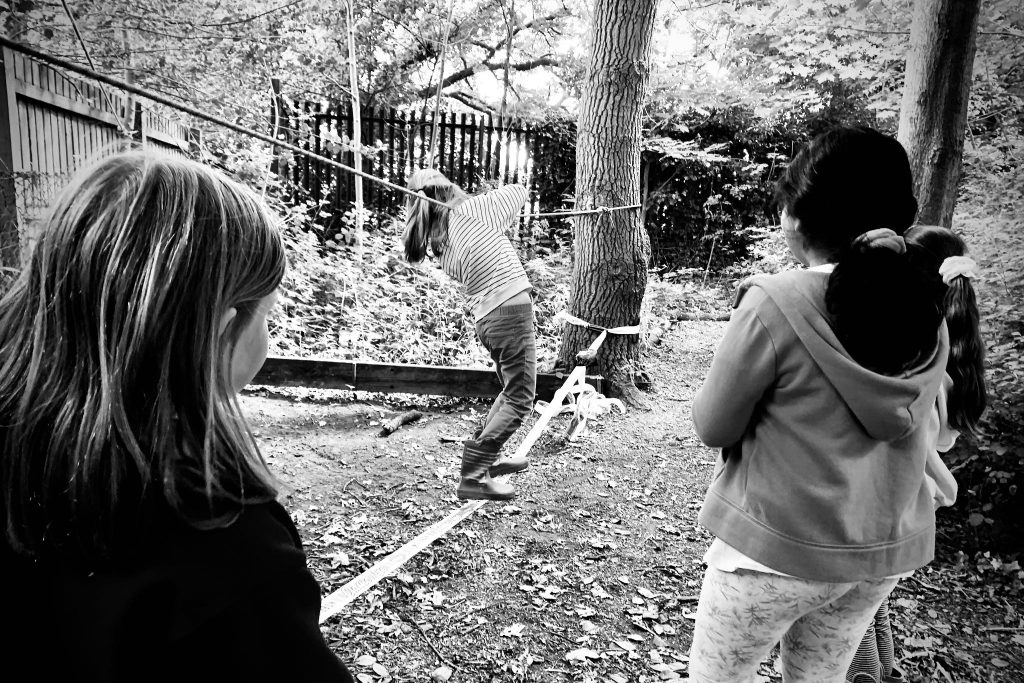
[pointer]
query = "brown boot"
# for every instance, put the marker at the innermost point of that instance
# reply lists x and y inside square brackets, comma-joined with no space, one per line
[476,482]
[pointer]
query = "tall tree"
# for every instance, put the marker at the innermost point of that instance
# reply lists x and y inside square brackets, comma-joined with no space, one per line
[612,250]
[933,116]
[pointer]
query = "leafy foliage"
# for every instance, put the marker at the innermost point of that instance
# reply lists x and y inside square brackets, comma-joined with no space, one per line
[381,308]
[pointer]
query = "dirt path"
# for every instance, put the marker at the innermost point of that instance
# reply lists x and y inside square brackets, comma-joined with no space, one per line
[591,574]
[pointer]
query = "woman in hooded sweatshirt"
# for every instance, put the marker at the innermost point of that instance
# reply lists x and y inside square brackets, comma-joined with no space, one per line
[820,396]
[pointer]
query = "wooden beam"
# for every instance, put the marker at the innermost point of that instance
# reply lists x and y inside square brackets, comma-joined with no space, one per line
[34,92]
[321,373]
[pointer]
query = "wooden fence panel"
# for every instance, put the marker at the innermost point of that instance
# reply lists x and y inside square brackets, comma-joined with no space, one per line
[470,150]
[50,126]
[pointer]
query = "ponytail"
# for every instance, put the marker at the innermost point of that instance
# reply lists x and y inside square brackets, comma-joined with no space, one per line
[966,366]
[418,235]
[426,223]
[884,309]
[942,251]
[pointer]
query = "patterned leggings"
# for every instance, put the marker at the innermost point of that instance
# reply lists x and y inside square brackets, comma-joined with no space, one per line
[742,614]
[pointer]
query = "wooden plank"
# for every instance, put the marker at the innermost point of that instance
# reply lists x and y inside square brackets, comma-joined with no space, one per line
[50,142]
[389,378]
[471,153]
[167,139]
[62,146]
[423,161]
[451,145]
[488,168]
[10,163]
[390,174]
[442,146]
[36,133]
[307,121]
[463,181]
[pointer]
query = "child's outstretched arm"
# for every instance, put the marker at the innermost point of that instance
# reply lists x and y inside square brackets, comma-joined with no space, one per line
[498,209]
[508,202]
[742,370]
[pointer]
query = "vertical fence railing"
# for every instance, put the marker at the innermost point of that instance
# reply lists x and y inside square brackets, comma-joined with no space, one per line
[472,150]
[50,125]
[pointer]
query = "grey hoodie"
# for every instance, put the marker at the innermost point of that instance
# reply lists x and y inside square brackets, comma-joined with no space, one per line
[822,470]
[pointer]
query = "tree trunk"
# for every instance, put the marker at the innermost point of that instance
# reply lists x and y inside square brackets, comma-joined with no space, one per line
[933,114]
[612,250]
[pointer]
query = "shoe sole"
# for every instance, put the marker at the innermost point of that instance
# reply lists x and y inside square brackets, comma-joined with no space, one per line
[482,495]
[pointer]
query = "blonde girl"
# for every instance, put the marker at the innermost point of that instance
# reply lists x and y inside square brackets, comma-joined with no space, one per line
[467,237]
[141,536]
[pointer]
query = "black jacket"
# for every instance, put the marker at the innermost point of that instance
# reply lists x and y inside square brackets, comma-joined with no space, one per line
[237,603]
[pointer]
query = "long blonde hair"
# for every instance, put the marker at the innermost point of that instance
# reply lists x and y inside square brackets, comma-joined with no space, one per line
[426,223]
[114,401]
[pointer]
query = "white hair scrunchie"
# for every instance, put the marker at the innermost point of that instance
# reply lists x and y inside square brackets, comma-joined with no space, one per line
[958,266]
[881,238]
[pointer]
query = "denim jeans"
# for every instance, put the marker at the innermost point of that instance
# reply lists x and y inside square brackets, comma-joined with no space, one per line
[507,333]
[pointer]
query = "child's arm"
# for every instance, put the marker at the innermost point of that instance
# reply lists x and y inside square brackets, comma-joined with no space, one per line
[941,480]
[498,209]
[742,370]
[507,202]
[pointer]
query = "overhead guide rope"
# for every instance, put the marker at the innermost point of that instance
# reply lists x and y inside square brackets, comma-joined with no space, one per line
[224,123]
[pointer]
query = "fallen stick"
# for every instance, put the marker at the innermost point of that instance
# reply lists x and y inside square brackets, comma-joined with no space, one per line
[712,317]
[394,423]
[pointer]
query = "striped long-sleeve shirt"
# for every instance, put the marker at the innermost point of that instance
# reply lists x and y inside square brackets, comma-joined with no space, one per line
[479,255]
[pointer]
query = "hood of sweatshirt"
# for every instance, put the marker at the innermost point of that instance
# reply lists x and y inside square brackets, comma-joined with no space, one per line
[888,407]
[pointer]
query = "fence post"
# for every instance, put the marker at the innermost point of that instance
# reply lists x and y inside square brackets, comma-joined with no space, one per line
[10,164]
[139,125]
[275,122]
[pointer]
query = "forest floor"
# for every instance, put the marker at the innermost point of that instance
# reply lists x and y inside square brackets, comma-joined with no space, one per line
[592,573]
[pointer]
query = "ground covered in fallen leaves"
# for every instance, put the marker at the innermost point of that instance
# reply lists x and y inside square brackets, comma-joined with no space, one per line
[592,573]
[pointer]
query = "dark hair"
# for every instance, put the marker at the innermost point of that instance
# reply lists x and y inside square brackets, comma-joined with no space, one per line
[929,246]
[844,183]
[426,223]
[114,404]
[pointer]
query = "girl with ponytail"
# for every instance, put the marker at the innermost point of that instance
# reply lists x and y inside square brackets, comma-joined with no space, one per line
[961,401]
[821,396]
[467,236]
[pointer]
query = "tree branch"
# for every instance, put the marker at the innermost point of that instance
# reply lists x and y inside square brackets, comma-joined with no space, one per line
[472,101]
[463,74]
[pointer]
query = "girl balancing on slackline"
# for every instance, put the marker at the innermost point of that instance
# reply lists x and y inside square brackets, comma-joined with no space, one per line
[467,237]
[822,397]
[141,537]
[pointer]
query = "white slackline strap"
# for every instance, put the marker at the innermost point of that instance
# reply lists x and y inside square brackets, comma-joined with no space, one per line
[573,320]
[337,600]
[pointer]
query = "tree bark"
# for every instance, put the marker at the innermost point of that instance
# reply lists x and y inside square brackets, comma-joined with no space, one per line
[612,250]
[933,114]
